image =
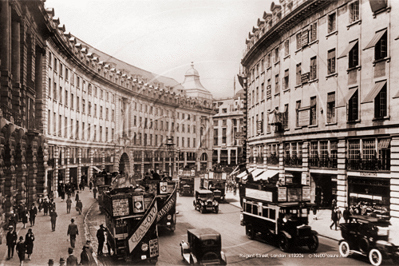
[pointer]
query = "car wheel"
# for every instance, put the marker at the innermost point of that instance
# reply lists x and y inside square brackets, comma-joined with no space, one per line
[344,249]
[313,243]
[284,243]
[249,231]
[375,257]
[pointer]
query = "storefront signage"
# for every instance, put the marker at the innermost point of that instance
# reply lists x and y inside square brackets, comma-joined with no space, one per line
[384,143]
[306,193]
[169,203]
[368,174]
[282,194]
[259,194]
[148,219]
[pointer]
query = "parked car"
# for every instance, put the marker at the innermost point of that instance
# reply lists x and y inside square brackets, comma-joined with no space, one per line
[204,247]
[205,201]
[368,236]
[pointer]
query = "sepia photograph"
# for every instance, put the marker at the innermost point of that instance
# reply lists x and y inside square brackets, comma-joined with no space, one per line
[199,132]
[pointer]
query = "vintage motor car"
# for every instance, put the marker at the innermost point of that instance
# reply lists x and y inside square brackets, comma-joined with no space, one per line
[205,201]
[204,247]
[368,236]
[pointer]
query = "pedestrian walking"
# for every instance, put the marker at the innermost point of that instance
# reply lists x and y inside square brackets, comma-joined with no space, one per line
[45,206]
[50,262]
[315,209]
[69,204]
[11,241]
[334,218]
[12,220]
[95,192]
[346,215]
[333,204]
[21,249]
[86,258]
[72,232]
[53,215]
[79,206]
[40,203]
[32,215]
[25,215]
[90,185]
[29,238]
[339,215]
[62,262]
[52,205]
[71,260]
[77,196]
[100,238]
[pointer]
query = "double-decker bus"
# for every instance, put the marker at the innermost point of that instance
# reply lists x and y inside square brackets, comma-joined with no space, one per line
[186,182]
[277,211]
[131,218]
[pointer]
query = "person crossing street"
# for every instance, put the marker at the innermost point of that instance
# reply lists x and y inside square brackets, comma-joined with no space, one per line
[72,232]
[69,204]
[53,216]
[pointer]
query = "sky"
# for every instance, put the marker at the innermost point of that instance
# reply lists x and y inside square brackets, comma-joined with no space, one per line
[165,36]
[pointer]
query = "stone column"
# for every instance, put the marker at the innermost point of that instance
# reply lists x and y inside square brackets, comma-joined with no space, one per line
[16,51]
[67,166]
[305,169]
[90,170]
[281,170]
[142,162]
[264,150]
[79,155]
[5,31]
[54,186]
[342,179]
[102,160]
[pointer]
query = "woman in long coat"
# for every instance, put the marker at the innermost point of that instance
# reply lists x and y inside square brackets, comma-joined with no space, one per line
[25,215]
[29,238]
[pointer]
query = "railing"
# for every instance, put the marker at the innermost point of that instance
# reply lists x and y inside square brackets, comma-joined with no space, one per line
[368,164]
[327,162]
[293,161]
[272,159]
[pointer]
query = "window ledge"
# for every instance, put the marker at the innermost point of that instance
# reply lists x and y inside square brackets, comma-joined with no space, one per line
[353,68]
[332,124]
[298,50]
[286,129]
[381,118]
[262,101]
[354,121]
[359,21]
[313,80]
[388,59]
[297,86]
[286,57]
[268,98]
[331,75]
[313,42]
[278,62]
[269,67]
[331,33]
[386,9]
[276,94]
[299,128]
[286,90]
[311,126]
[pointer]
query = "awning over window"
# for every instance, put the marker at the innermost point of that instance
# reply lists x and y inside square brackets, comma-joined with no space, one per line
[347,97]
[235,171]
[244,174]
[374,92]
[266,175]
[375,39]
[257,172]
[96,168]
[348,49]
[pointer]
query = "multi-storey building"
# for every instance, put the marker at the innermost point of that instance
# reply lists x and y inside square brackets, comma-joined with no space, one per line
[227,126]
[322,98]
[68,108]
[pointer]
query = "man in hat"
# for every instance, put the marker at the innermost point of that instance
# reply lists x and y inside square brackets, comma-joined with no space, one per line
[101,239]
[62,262]
[71,260]
[88,243]
[53,219]
[72,232]
[79,206]
[11,241]
[21,248]
[86,258]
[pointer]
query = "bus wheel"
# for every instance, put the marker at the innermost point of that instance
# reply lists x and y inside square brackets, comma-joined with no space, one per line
[313,243]
[284,243]
[249,231]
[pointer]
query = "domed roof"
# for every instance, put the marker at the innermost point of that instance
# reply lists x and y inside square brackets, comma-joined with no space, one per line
[239,94]
[192,71]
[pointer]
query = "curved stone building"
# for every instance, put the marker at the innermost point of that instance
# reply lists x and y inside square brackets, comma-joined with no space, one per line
[68,109]
[322,99]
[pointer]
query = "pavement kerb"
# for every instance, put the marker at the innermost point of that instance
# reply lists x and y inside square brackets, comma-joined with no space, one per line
[331,238]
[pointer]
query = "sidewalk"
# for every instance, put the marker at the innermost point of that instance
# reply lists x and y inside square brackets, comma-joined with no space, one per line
[49,244]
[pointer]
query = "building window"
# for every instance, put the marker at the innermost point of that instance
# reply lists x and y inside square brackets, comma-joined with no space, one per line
[77,130]
[277,85]
[262,86]
[224,135]
[55,91]
[286,79]
[182,142]
[66,74]
[66,98]
[313,32]
[298,74]
[353,108]
[60,95]
[354,11]
[83,131]
[331,107]
[60,126]
[101,112]
[71,129]
[313,68]
[380,103]
[77,104]
[381,47]
[83,106]
[298,41]
[224,122]
[332,22]
[285,117]
[101,133]
[297,107]
[78,82]
[331,62]
[354,56]
[276,55]
[268,60]
[182,128]
[313,114]
[106,114]
[113,115]
[106,134]
[268,89]
[287,47]
[188,142]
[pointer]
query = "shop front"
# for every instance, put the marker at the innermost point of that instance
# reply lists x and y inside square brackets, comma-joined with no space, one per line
[369,194]
[326,189]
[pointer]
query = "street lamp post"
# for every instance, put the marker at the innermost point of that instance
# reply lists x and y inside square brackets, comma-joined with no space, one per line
[170,145]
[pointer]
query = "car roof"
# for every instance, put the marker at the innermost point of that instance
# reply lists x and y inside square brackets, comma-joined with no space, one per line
[369,219]
[204,191]
[204,233]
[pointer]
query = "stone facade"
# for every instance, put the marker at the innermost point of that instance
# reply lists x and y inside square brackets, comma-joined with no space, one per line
[322,98]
